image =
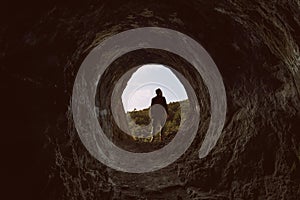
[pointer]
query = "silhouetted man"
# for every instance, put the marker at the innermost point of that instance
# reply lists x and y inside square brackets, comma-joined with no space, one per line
[159,113]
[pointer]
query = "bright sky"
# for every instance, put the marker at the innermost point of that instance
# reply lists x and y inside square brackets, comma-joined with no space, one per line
[141,87]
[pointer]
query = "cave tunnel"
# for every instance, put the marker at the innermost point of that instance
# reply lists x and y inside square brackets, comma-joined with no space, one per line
[255,46]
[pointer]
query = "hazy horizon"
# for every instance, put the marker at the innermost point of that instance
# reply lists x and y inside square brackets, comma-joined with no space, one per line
[149,105]
[141,87]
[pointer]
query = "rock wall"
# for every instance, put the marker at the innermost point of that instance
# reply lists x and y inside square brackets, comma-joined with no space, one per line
[255,45]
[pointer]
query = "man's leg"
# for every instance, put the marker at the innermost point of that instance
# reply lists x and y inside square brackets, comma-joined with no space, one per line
[153,129]
[156,126]
[161,129]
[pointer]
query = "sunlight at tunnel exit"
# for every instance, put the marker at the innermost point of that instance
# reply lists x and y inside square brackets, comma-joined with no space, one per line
[141,87]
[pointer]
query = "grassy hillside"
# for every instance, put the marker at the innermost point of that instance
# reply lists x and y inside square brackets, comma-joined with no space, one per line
[140,122]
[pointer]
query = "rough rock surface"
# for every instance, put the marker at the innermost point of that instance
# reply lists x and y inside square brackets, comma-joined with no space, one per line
[255,45]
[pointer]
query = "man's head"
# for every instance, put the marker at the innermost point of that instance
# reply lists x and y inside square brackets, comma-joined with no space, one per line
[158,92]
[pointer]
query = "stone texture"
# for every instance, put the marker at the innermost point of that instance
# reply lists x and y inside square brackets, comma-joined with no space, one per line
[254,43]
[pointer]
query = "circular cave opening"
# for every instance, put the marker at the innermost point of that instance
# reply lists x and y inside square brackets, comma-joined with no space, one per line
[127,88]
[155,102]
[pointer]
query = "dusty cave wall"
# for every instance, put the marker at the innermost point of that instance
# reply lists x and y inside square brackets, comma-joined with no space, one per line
[255,44]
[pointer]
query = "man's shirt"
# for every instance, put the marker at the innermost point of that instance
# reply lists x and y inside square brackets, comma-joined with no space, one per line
[160,100]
